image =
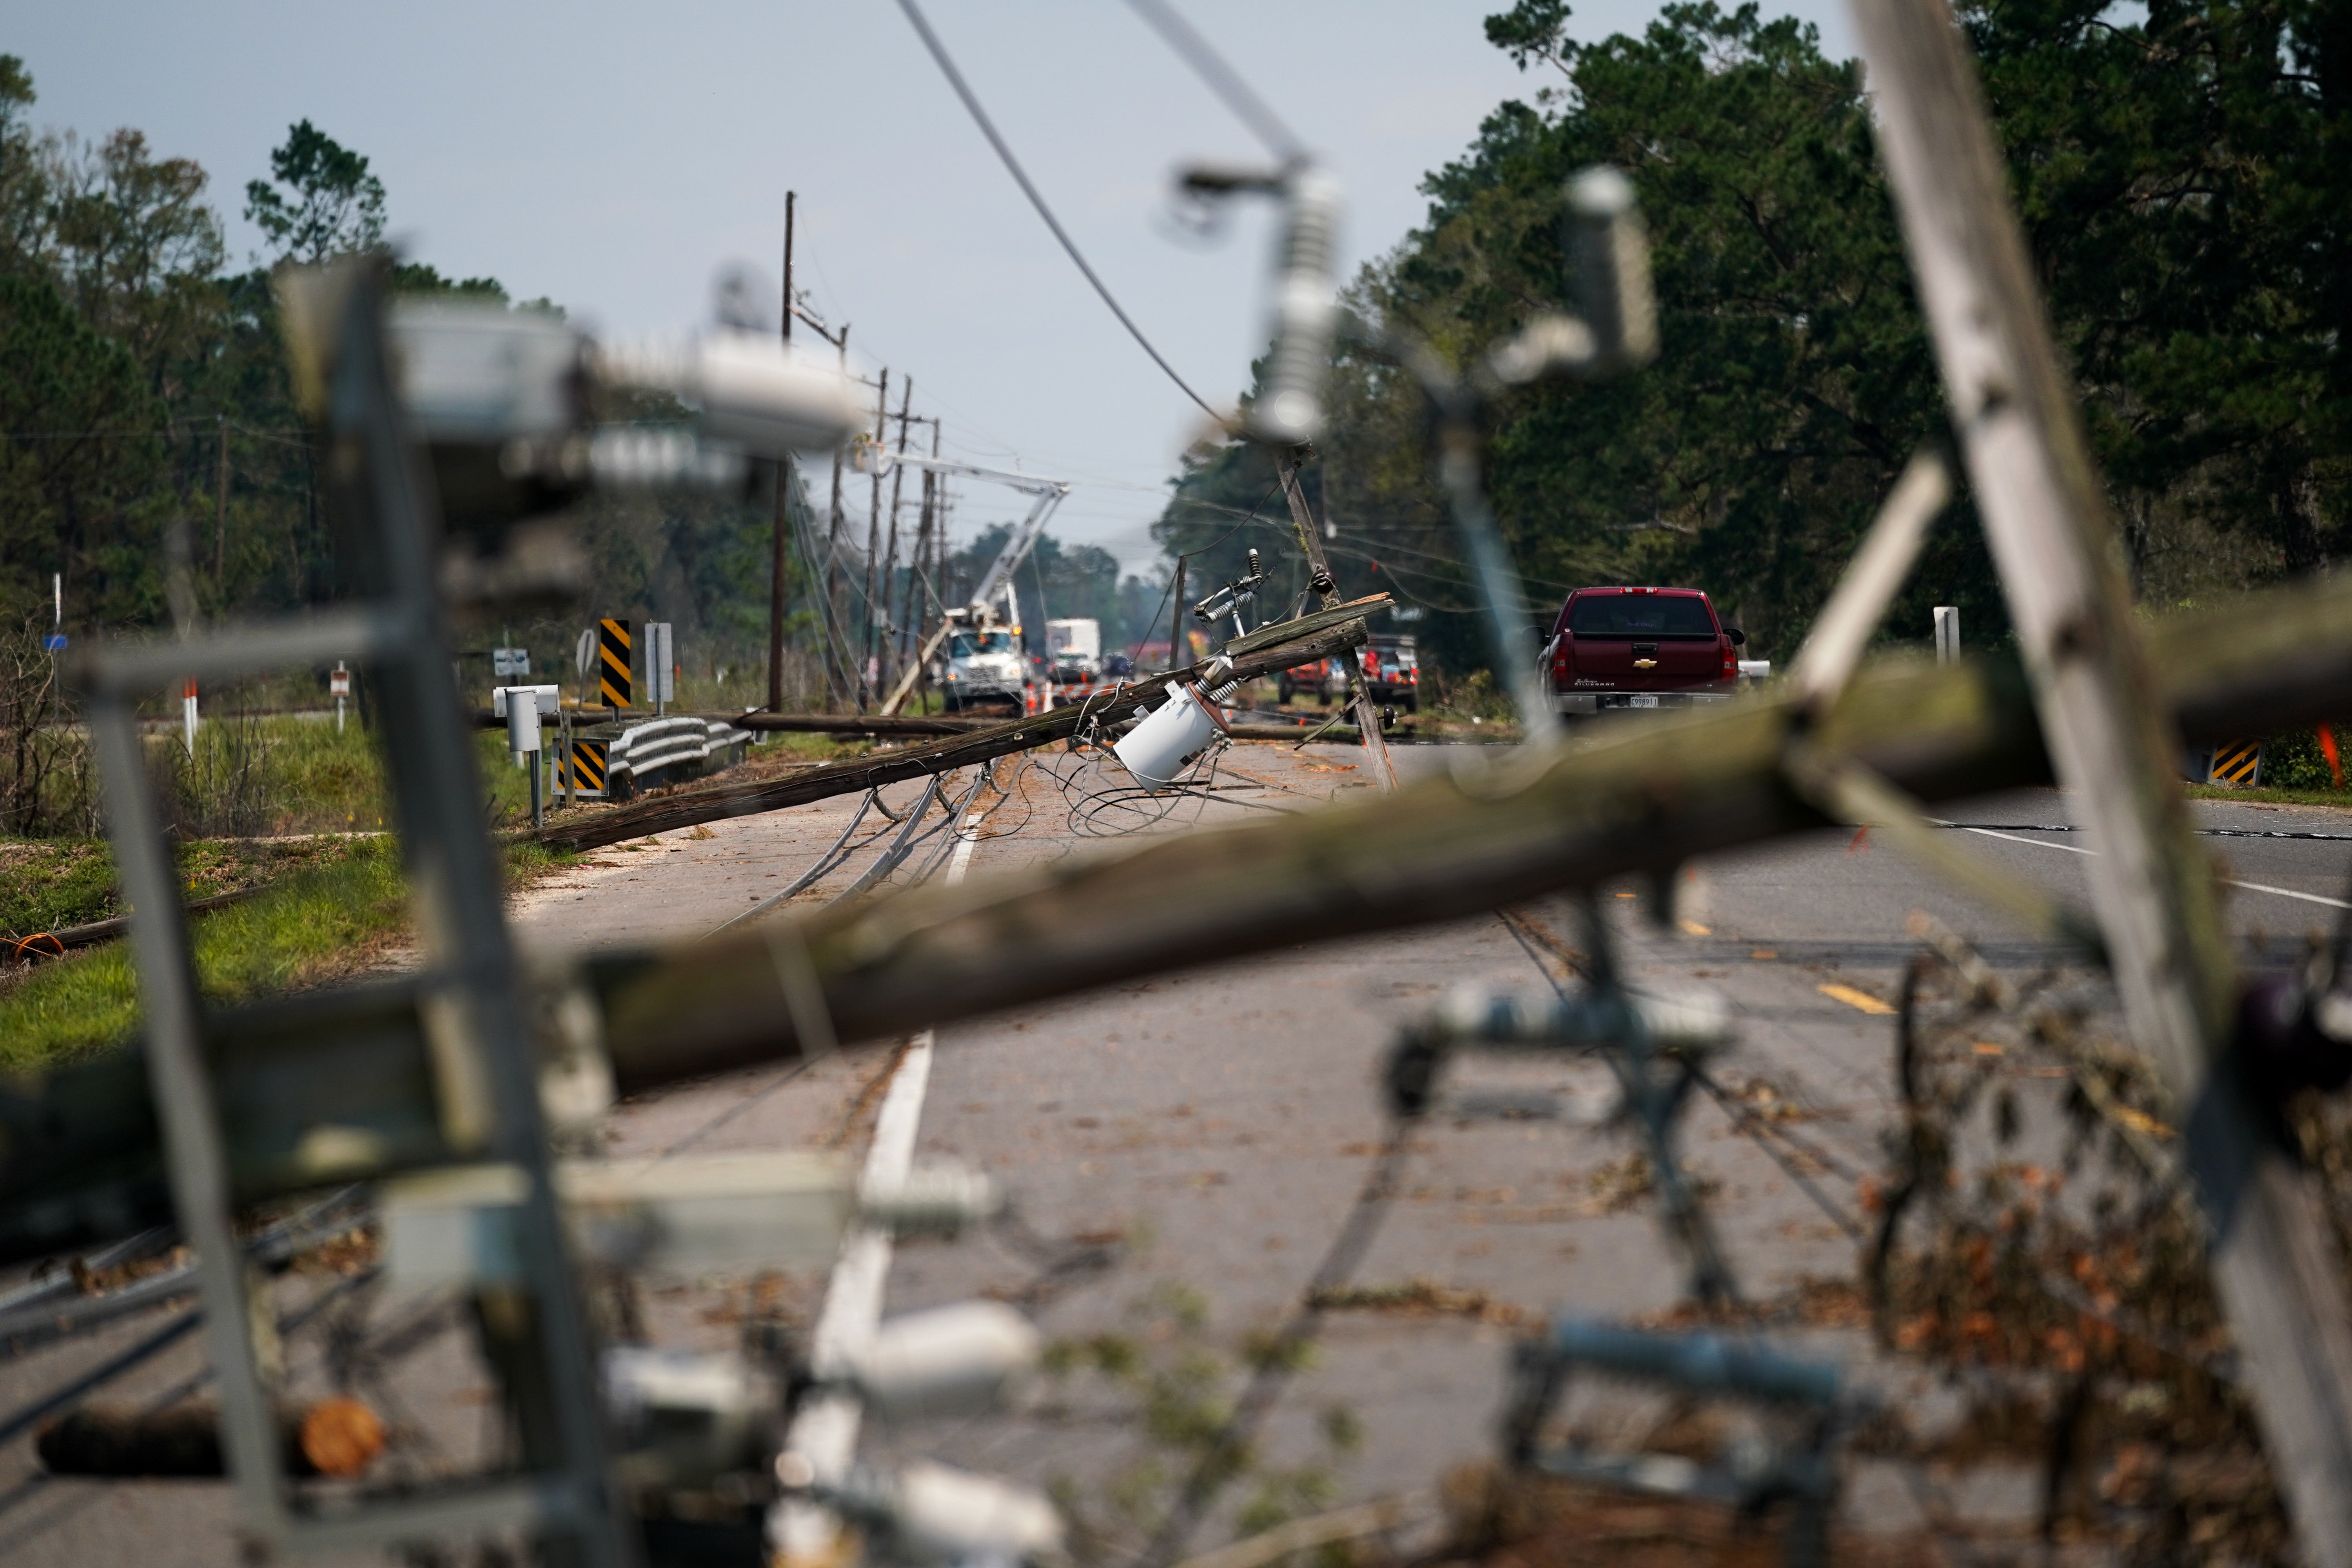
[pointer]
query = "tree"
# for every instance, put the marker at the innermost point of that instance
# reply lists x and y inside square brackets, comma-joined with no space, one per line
[2185,181]
[1794,379]
[324,201]
[81,483]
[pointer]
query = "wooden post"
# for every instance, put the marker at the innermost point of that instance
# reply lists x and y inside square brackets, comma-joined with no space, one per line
[1311,540]
[873,538]
[2274,1263]
[885,638]
[783,506]
[1176,621]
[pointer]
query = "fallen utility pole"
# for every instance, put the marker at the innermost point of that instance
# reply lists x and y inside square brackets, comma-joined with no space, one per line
[2275,1263]
[77,1152]
[1263,652]
[1327,589]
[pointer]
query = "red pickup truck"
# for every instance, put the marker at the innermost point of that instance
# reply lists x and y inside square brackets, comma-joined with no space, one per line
[1640,647]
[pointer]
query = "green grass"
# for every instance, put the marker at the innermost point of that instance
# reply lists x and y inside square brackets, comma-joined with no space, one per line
[312,921]
[2340,799]
[344,905]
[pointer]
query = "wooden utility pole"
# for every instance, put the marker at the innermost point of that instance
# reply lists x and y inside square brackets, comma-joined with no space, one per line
[1176,649]
[2273,1260]
[834,519]
[921,577]
[879,637]
[1327,591]
[873,534]
[783,505]
[220,505]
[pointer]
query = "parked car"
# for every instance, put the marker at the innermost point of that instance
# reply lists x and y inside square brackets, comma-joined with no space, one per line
[1640,647]
[1390,665]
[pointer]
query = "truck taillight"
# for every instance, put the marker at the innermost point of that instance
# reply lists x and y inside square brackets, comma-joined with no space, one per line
[1730,662]
[1562,665]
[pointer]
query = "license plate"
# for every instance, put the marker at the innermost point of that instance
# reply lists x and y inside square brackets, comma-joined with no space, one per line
[1641,699]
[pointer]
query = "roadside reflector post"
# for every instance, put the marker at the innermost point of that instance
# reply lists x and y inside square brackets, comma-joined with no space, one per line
[613,645]
[339,685]
[661,661]
[1947,634]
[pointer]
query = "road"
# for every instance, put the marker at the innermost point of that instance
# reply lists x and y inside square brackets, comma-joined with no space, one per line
[1209,1134]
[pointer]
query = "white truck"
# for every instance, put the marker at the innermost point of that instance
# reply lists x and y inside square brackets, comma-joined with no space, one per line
[1075,649]
[983,664]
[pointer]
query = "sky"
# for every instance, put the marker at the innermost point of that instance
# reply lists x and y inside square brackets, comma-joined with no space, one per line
[616,158]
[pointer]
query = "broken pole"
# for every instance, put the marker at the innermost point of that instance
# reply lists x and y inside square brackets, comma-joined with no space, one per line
[2275,1262]
[1327,589]
[1633,799]
[1323,635]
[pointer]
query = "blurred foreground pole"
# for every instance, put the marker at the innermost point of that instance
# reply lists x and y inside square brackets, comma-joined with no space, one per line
[2113,745]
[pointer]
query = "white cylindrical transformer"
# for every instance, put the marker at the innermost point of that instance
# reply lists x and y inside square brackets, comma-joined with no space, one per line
[1156,750]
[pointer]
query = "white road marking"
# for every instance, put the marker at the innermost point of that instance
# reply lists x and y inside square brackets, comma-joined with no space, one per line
[825,1431]
[2289,893]
[2226,881]
[2034,842]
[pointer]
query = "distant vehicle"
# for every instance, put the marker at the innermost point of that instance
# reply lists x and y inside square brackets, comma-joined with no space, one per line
[1117,664]
[1390,665]
[1640,647]
[1076,649]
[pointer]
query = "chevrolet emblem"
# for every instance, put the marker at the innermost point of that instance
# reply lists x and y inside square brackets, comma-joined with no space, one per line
[1645,664]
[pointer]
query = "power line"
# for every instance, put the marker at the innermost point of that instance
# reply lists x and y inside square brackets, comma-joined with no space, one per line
[1013,166]
[1223,79]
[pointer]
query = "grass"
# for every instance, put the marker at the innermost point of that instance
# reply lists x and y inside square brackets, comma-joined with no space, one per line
[48,884]
[334,904]
[349,902]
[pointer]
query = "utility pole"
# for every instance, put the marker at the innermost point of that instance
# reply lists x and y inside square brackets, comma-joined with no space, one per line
[874,532]
[784,504]
[1176,620]
[883,637]
[834,519]
[2275,1264]
[220,504]
[1327,593]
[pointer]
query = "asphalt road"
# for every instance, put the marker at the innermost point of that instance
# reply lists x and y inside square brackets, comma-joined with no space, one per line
[1209,1134]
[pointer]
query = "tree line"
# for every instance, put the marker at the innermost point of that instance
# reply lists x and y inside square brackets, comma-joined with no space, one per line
[2185,179]
[150,444]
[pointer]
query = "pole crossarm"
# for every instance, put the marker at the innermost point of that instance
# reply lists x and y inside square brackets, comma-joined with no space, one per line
[77,1149]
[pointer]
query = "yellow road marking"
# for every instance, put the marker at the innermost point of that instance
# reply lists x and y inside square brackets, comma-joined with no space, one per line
[1692,928]
[1861,1001]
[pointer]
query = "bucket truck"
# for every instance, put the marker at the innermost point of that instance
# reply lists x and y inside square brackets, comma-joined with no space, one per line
[984,660]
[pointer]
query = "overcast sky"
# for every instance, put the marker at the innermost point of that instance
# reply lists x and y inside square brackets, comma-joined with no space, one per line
[615,157]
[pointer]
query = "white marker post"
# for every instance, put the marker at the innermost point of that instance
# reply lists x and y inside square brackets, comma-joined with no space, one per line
[661,665]
[1947,634]
[188,713]
[339,685]
[522,707]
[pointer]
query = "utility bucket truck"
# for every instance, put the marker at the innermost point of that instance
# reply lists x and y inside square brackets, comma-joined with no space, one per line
[982,662]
